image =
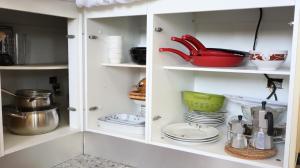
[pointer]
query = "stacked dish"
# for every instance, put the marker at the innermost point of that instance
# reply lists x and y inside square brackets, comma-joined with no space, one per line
[205,118]
[125,123]
[186,133]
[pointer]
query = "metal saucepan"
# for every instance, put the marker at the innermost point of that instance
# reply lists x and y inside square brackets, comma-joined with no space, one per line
[32,123]
[31,99]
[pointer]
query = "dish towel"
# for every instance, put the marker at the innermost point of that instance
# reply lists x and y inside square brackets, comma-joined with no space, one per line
[91,3]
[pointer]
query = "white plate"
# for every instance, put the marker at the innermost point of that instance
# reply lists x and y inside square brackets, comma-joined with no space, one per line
[125,129]
[204,119]
[190,143]
[190,131]
[124,119]
[205,116]
[212,125]
[189,140]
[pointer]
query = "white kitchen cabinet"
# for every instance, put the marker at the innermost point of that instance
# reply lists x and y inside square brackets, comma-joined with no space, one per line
[49,53]
[98,88]
[108,84]
[217,24]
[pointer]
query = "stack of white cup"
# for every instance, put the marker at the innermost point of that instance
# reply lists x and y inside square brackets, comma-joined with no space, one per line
[114,44]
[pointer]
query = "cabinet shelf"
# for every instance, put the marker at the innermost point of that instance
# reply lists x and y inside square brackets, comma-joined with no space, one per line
[125,65]
[216,150]
[241,70]
[13,143]
[35,67]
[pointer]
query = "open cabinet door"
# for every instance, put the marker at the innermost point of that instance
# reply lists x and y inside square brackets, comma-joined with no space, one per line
[75,72]
[294,136]
[63,8]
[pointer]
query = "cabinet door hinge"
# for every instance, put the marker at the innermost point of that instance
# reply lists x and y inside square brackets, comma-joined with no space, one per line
[70,36]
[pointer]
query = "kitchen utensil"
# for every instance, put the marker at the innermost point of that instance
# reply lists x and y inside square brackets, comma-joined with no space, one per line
[236,133]
[249,104]
[201,49]
[31,99]
[138,55]
[268,61]
[6,46]
[114,49]
[197,101]
[263,131]
[250,110]
[208,61]
[209,57]
[32,122]
[140,92]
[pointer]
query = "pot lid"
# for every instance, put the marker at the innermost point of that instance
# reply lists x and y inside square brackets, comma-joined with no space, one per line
[33,93]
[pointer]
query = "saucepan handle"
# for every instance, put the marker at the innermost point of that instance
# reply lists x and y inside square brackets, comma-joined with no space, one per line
[194,41]
[180,53]
[16,115]
[189,46]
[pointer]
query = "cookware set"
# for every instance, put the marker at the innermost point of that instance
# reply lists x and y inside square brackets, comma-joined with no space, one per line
[34,112]
[199,55]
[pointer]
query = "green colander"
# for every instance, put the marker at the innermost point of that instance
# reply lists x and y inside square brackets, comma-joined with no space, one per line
[205,102]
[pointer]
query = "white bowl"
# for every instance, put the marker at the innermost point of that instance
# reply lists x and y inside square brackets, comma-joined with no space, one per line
[267,65]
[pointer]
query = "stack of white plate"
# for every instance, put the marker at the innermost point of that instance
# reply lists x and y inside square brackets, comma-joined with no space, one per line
[125,123]
[186,133]
[213,119]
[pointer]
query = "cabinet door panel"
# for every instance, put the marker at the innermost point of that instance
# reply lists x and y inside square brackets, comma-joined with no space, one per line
[75,72]
[49,7]
[293,136]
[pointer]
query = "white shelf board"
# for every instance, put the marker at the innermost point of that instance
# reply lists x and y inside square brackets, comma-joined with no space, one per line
[216,150]
[125,65]
[242,70]
[131,137]
[35,67]
[14,143]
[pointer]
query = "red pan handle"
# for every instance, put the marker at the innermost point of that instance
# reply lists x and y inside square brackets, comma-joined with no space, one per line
[194,41]
[189,46]
[180,53]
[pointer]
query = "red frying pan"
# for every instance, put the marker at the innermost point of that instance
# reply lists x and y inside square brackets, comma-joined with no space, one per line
[202,56]
[208,61]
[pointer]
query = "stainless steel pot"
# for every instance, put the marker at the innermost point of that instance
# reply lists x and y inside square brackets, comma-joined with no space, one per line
[31,99]
[32,123]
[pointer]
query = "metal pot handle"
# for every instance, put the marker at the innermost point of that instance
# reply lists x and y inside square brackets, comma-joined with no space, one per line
[16,115]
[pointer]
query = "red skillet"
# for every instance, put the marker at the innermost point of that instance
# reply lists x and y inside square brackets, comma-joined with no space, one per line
[203,51]
[202,56]
[229,60]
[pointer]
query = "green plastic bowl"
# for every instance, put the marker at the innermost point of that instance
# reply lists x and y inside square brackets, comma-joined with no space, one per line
[205,102]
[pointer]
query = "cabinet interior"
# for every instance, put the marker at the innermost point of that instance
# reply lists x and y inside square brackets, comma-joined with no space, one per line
[43,45]
[108,86]
[233,29]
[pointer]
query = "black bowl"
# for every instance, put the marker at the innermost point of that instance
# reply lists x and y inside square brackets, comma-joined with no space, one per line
[138,55]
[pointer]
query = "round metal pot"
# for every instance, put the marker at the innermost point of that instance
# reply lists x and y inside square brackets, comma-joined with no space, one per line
[32,123]
[30,99]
